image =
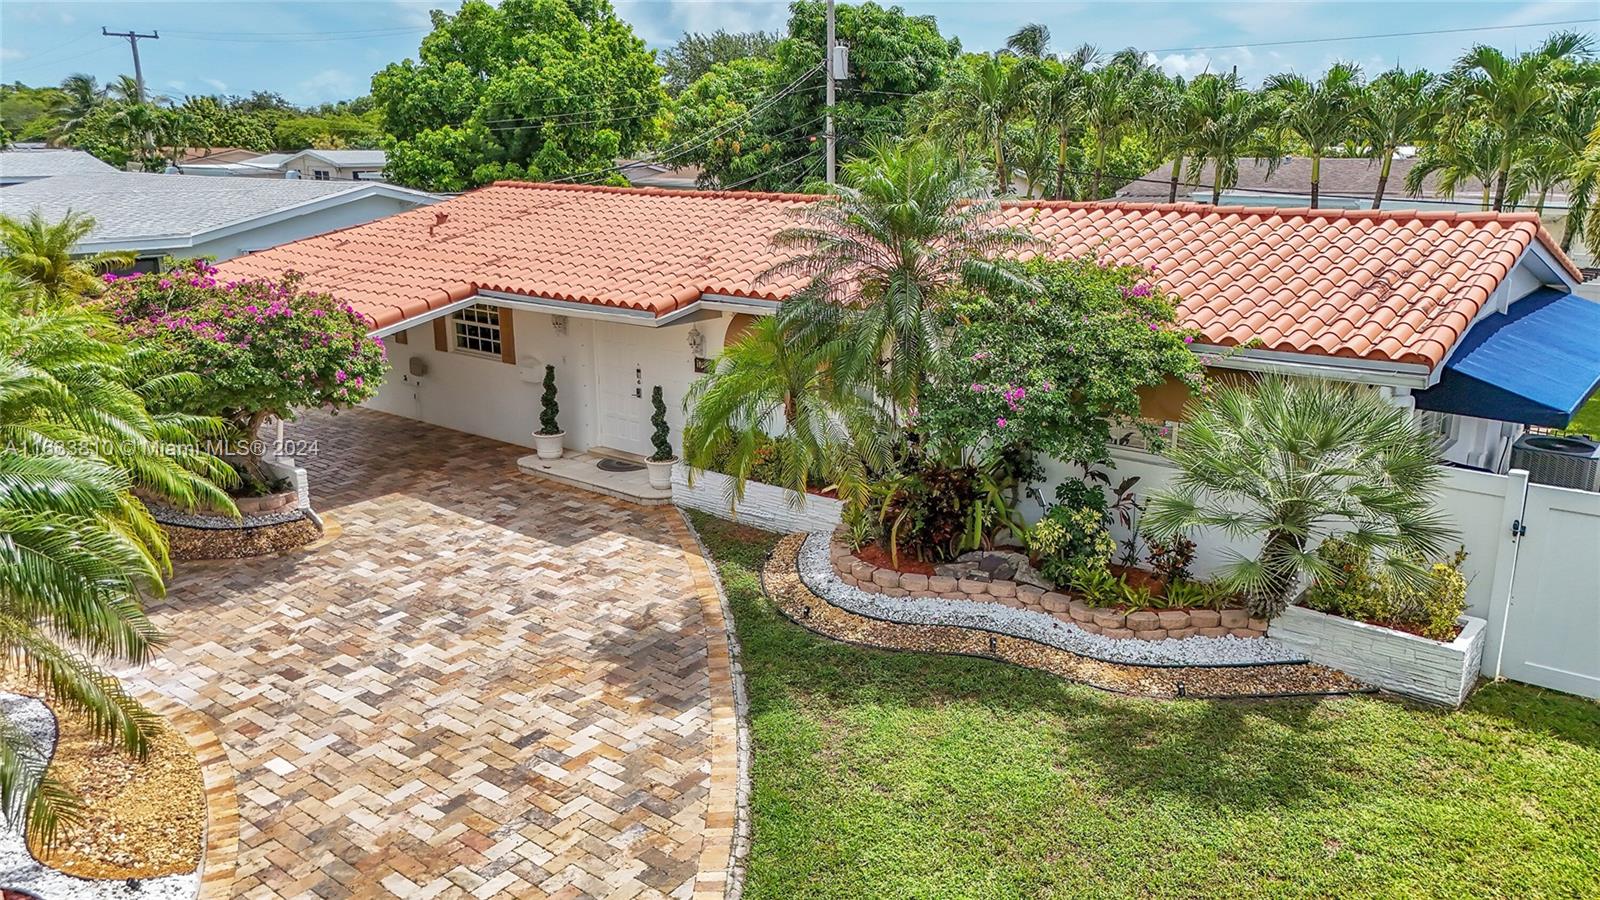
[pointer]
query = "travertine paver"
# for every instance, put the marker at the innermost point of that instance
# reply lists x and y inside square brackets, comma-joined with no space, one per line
[483,686]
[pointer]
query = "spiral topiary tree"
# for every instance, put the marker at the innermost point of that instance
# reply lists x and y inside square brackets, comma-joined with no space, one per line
[548,408]
[659,437]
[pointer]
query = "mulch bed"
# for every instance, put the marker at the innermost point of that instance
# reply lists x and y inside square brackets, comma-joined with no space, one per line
[789,593]
[879,557]
[141,819]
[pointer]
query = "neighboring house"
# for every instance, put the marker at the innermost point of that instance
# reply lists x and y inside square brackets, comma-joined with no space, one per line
[336,165]
[186,215]
[18,166]
[624,289]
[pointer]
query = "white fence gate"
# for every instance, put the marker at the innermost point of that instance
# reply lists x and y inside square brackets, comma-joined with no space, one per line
[1533,567]
[1548,624]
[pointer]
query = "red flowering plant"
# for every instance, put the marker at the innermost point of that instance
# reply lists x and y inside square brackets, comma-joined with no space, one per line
[261,348]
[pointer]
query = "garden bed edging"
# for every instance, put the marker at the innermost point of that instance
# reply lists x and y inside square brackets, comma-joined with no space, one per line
[1436,671]
[763,505]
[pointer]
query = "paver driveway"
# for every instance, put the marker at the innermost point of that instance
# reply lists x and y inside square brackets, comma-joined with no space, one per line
[484,685]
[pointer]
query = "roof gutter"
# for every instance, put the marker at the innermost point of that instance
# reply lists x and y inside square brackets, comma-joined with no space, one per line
[1339,368]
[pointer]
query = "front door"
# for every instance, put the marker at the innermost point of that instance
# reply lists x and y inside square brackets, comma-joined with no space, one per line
[624,402]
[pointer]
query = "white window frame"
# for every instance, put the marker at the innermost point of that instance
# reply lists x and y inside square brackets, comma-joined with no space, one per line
[321,175]
[478,323]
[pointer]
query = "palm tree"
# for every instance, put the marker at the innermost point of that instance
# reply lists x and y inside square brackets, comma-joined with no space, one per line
[1291,460]
[1397,111]
[1459,156]
[981,102]
[776,378]
[1514,94]
[79,551]
[904,229]
[42,253]
[1229,125]
[80,96]
[1056,100]
[1112,100]
[1031,40]
[1576,118]
[1170,124]
[1319,114]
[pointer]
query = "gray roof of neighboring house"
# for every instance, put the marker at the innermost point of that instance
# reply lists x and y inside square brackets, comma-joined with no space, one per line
[348,158]
[267,160]
[138,207]
[1340,177]
[26,165]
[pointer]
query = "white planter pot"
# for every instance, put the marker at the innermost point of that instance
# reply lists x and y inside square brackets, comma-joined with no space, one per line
[548,446]
[660,473]
[1436,671]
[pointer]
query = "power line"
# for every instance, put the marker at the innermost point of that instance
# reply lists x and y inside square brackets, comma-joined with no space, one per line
[134,38]
[1370,37]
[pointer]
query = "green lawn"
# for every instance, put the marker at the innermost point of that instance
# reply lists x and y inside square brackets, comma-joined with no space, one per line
[1587,421]
[883,775]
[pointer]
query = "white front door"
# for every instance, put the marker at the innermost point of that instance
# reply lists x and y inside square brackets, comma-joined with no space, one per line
[624,399]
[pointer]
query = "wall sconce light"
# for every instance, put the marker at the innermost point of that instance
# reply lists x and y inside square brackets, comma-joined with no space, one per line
[559,323]
[697,341]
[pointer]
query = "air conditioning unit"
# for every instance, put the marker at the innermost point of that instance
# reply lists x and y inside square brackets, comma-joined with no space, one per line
[1570,462]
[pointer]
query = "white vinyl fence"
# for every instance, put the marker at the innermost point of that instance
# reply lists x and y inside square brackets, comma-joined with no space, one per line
[1533,566]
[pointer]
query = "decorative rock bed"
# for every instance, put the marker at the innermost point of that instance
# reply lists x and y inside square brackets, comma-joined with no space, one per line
[21,871]
[972,583]
[193,536]
[800,579]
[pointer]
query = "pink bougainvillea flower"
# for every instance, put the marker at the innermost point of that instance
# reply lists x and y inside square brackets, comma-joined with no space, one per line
[1188,339]
[978,388]
[339,375]
[1000,422]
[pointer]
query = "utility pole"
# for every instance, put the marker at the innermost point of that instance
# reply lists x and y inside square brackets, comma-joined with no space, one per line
[829,74]
[133,41]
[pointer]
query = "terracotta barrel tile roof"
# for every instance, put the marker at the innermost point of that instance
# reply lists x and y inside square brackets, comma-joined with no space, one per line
[1396,285]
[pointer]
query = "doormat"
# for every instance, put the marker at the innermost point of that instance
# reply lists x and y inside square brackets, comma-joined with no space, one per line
[618,465]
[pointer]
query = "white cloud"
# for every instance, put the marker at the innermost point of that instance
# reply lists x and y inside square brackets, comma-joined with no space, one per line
[215,84]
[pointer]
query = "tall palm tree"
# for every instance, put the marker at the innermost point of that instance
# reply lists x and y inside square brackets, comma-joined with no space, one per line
[1170,123]
[774,392]
[80,96]
[1471,152]
[1319,114]
[42,252]
[79,551]
[1397,111]
[1515,94]
[1576,118]
[1112,100]
[904,229]
[1230,124]
[1031,40]
[1056,102]
[1290,460]
[982,101]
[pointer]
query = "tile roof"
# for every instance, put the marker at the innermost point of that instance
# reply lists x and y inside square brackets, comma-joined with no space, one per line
[26,164]
[1396,286]
[139,206]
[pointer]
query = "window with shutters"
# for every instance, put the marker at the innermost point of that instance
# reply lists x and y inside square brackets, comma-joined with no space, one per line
[476,329]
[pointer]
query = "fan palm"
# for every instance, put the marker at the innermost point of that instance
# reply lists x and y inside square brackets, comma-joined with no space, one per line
[774,392]
[78,550]
[1319,114]
[903,230]
[1291,461]
[1229,125]
[41,252]
[1515,94]
[1396,112]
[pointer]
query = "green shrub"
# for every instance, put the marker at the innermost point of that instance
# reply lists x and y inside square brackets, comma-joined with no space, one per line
[1067,539]
[1353,588]
[548,408]
[1095,584]
[660,437]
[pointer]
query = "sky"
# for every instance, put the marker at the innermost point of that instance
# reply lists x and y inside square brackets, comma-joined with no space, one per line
[313,52]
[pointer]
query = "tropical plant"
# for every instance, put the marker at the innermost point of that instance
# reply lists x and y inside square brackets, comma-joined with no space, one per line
[1031,40]
[1397,111]
[881,259]
[660,434]
[1112,98]
[42,253]
[1290,460]
[1056,102]
[1459,156]
[695,53]
[1352,589]
[263,349]
[1515,95]
[80,95]
[1066,540]
[1095,585]
[548,407]
[1169,121]
[981,101]
[1319,114]
[79,552]
[1169,561]
[1229,126]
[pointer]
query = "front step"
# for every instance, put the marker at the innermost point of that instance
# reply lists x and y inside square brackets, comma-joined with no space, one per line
[582,470]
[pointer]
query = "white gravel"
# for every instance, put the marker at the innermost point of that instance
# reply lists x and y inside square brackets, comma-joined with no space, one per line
[20,871]
[169,516]
[816,570]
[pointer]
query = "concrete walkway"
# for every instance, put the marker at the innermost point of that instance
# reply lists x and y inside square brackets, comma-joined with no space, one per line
[482,685]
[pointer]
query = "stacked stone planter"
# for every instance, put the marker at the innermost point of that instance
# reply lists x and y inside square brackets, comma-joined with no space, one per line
[1148,625]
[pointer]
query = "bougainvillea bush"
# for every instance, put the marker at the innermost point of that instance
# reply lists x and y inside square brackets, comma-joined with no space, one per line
[261,348]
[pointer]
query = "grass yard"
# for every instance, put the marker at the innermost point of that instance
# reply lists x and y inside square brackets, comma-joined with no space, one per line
[1587,421]
[883,775]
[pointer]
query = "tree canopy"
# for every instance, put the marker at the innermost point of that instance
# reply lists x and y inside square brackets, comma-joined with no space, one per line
[536,89]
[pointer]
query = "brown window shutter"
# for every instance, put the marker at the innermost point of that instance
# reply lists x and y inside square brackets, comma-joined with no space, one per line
[508,337]
[399,336]
[441,334]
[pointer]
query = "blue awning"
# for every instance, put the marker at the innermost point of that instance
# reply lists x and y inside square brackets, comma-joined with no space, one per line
[1535,364]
